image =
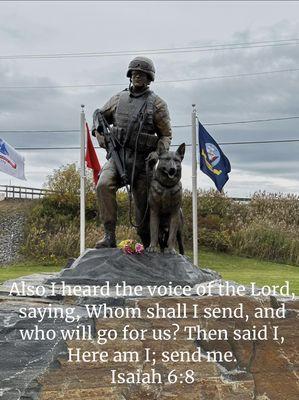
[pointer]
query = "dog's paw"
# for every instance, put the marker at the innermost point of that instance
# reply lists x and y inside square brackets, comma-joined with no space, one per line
[153,249]
[169,250]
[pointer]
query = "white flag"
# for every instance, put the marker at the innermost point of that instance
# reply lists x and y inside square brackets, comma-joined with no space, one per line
[11,162]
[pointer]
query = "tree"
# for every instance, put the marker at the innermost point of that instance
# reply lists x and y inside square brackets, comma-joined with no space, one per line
[64,184]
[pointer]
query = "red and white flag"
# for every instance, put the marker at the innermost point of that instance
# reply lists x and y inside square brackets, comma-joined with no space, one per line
[11,162]
[91,157]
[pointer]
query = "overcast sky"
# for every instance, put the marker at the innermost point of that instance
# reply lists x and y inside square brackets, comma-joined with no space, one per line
[38,28]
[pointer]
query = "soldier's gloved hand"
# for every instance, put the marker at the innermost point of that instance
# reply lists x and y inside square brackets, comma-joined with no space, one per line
[100,127]
[152,158]
[101,140]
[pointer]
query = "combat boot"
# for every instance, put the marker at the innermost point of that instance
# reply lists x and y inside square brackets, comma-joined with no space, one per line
[109,239]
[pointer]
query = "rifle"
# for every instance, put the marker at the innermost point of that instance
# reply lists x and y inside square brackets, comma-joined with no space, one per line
[112,145]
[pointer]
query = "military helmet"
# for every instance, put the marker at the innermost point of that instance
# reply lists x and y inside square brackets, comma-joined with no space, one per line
[143,64]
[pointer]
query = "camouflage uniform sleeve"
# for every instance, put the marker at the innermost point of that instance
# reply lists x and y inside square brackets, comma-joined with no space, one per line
[108,111]
[162,122]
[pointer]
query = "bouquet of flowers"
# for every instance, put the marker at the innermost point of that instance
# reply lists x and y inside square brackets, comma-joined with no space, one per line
[130,246]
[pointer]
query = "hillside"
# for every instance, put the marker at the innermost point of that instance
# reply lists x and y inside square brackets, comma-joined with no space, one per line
[12,221]
[15,205]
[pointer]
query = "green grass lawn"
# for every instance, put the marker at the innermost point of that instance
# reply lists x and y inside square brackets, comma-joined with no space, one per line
[238,269]
[245,270]
[27,268]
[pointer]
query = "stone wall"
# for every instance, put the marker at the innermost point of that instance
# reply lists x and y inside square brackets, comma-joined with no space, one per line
[11,236]
[39,370]
[39,367]
[262,371]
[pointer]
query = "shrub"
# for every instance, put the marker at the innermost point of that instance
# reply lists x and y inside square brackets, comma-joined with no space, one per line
[275,207]
[267,240]
[65,242]
[215,219]
[267,227]
[65,196]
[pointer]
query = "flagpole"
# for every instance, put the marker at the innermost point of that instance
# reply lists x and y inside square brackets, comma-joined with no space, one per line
[194,187]
[82,182]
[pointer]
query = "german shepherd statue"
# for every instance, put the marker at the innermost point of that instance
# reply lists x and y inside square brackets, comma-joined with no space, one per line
[165,201]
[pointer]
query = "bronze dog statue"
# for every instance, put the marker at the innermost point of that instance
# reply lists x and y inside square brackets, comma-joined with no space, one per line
[165,201]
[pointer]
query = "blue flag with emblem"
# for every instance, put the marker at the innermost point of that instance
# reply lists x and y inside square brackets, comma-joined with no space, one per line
[213,161]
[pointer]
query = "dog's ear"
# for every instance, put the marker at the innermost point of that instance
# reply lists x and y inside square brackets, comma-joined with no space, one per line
[181,151]
[161,148]
[152,159]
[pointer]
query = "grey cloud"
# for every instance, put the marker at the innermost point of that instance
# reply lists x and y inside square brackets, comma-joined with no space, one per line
[218,100]
[19,28]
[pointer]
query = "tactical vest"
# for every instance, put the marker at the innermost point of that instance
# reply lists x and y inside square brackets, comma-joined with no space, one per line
[129,112]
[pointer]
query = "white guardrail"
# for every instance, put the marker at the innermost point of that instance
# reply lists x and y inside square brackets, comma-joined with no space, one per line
[21,192]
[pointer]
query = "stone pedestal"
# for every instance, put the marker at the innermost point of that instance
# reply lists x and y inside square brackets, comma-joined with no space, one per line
[39,370]
[97,266]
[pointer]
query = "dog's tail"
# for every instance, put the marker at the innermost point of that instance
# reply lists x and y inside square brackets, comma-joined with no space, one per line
[180,242]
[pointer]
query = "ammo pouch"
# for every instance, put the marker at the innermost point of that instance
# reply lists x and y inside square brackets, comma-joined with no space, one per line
[146,142]
[119,134]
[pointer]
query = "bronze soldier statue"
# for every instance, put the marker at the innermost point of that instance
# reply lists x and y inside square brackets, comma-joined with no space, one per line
[140,120]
